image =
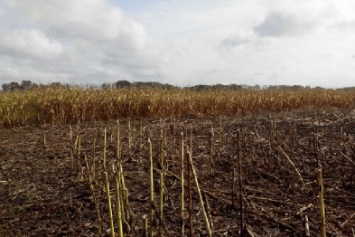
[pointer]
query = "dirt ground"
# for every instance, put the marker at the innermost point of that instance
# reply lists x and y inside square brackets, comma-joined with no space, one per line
[260,171]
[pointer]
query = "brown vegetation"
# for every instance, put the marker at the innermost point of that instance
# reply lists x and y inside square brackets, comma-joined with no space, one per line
[72,106]
[213,163]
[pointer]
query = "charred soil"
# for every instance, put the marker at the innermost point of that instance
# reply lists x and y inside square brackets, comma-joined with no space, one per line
[259,172]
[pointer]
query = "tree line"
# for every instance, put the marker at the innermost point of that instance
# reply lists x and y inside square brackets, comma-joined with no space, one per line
[27,84]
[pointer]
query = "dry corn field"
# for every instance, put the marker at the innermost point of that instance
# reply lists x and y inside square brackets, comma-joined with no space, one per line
[146,162]
[71,106]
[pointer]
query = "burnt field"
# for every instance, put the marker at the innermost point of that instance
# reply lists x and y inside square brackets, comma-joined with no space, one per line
[259,173]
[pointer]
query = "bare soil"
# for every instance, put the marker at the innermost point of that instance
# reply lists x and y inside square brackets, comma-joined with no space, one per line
[260,172]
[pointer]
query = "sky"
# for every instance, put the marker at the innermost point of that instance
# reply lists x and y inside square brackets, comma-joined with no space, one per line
[180,42]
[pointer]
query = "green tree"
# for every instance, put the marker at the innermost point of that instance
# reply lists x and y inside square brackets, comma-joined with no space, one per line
[123,84]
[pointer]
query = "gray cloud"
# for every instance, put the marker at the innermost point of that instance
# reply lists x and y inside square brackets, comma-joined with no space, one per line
[345,25]
[278,24]
[233,42]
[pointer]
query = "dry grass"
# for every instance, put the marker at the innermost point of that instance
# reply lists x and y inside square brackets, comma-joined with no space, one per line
[65,106]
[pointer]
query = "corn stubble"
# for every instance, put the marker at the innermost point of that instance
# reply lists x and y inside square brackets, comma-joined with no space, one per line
[106,170]
[115,215]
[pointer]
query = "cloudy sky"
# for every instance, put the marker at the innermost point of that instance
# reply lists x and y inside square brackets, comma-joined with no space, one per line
[180,42]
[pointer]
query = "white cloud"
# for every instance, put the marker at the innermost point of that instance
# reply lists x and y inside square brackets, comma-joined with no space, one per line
[92,20]
[346,8]
[32,43]
[179,42]
[86,41]
[231,46]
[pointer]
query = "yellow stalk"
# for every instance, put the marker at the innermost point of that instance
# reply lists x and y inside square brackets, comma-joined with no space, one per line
[151,170]
[208,227]
[105,147]
[119,202]
[182,204]
[321,203]
[108,196]
[161,193]
[91,183]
